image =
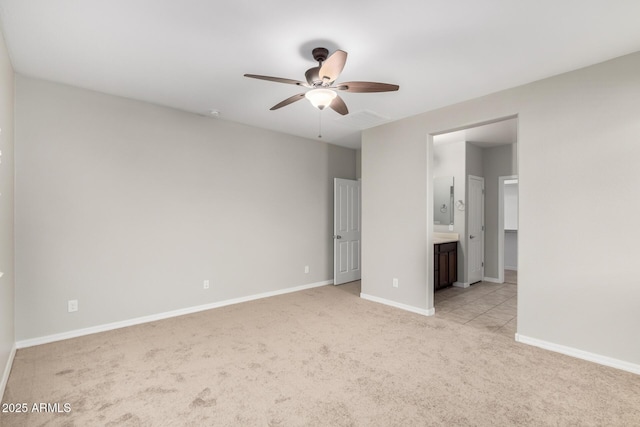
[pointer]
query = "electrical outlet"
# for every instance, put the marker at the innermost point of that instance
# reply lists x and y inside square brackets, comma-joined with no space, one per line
[205,285]
[306,269]
[395,282]
[72,305]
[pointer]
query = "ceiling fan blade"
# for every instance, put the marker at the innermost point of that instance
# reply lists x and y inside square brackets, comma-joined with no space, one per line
[332,67]
[288,101]
[361,87]
[339,106]
[277,79]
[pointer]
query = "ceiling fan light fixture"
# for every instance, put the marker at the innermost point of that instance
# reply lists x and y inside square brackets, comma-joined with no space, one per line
[320,98]
[320,79]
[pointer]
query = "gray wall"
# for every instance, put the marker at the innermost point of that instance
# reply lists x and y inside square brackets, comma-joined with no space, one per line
[511,206]
[128,207]
[497,161]
[7,337]
[474,159]
[394,214]
[571,291]
[511,250]
[511,226]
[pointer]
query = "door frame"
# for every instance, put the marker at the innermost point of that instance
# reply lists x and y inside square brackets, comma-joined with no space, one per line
[429,196]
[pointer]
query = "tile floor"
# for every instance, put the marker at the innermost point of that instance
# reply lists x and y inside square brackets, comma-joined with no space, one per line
[511,276]
[484,305]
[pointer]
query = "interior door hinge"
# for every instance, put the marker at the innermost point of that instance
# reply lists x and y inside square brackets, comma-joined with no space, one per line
[482,264]
[483,228]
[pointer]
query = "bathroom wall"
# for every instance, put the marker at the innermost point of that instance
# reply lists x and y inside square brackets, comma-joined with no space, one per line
[497,161]
[474,164]
[511,206]
[511,250]
[511,226]
[449,160]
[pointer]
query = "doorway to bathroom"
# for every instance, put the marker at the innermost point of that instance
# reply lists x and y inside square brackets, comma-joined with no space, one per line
[487,153]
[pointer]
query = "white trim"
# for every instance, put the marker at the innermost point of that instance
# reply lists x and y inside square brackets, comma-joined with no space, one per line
[461,284]
[580,354]
[424,312]
[7,371]
[160,316]
[492,280]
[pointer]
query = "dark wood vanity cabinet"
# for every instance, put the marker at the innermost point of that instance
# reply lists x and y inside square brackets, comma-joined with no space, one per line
[445,264]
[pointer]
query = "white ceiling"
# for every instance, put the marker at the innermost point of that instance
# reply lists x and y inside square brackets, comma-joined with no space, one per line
[490,135]
[192,54]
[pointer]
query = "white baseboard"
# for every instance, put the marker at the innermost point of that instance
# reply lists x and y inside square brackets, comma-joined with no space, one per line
[580,354]
[7,371]
[461,284]
[491,280]
[399,305]
[160,316]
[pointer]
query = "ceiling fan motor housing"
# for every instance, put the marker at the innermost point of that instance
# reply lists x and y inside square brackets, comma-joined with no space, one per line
[312,75]
[320,54]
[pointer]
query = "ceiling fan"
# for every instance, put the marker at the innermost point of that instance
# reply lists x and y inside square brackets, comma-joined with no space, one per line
[321,82]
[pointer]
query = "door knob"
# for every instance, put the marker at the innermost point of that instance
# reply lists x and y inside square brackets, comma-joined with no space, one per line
[337,237]
[472,236]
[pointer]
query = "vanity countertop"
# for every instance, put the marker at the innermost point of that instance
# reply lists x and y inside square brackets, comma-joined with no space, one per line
[445,238]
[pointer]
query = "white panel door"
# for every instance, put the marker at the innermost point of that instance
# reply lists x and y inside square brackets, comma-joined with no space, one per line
[475,240]
[346,231]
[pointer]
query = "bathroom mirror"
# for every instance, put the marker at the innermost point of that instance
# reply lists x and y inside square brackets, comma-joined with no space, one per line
[443,200]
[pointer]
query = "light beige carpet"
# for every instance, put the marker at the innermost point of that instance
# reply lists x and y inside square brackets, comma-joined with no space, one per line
[322,357]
